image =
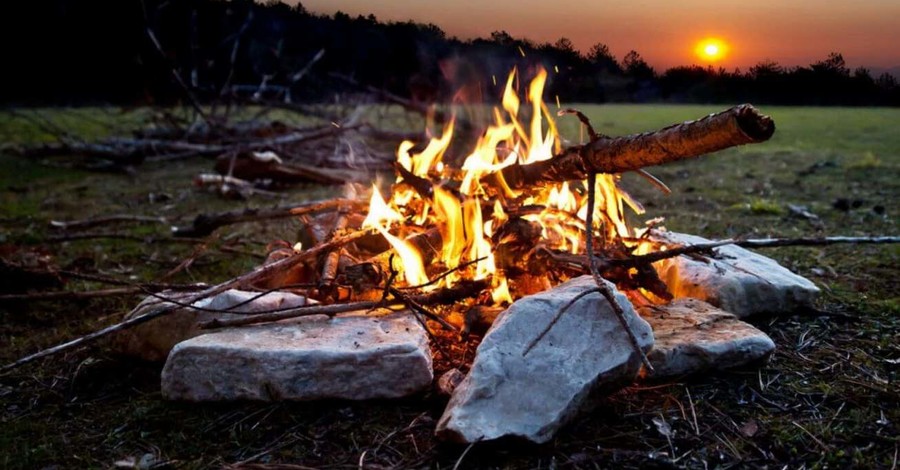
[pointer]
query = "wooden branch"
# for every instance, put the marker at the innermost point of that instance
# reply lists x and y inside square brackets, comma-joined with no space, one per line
[73,295]
[332,259]
[111,219]
[247,279]
[205,224]
[735,126]
[373,270]
[89,338]
[123,236]
[443,296]
[604,263]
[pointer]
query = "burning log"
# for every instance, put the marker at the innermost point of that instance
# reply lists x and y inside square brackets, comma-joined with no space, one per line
[739,125]
[374,270]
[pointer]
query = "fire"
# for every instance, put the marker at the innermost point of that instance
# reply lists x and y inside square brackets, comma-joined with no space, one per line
[411,261]
[470,206]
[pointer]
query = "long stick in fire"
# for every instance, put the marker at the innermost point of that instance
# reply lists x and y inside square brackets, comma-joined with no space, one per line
[739,125]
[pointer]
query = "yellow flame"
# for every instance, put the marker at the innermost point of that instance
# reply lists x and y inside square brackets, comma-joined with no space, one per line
[411,266]
[450,223]
[379,211]
[458,216]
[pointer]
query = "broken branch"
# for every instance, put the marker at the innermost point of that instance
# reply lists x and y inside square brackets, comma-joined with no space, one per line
[739,125]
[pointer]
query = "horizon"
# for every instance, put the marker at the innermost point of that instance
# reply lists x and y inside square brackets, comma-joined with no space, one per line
[806,31]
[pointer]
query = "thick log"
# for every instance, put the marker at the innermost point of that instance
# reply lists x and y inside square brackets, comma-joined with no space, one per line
[739,125]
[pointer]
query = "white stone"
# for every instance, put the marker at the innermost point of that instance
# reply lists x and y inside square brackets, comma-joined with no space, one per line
[353,356]
[736,280]
[692,336]
[586,353]
[152,341]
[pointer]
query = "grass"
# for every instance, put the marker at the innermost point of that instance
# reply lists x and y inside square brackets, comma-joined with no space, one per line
[826,400]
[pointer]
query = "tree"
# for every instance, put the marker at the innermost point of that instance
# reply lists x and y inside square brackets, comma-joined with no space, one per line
[602,59]
[502,38]
[766,68]
[636,66]
[565,44]
[833,65]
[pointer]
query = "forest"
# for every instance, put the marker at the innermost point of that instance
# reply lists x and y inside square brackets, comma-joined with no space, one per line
[126,52]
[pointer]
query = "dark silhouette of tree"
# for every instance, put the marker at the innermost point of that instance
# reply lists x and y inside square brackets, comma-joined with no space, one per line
[97,51]
[602,59]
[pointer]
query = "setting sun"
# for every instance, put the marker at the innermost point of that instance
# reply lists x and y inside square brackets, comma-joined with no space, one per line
[711,50]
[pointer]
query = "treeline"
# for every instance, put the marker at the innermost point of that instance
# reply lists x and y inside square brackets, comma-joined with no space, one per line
[99,51]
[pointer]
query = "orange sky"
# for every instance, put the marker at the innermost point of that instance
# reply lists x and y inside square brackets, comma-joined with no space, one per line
[791,32]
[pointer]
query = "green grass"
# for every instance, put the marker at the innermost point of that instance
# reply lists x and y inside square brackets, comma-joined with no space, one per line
[826,400]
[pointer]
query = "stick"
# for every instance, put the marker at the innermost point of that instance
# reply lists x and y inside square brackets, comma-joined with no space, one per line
[93,222]
[86,338]
[205,224]
[258,274]
[443,296]
[602,288]
[296,312]
[73,295]
[735,126]
[333,258]
[372,270]
[601,284]
[411,303]
[632,261]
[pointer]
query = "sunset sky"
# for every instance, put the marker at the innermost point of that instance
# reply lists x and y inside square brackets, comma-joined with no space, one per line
[665,32]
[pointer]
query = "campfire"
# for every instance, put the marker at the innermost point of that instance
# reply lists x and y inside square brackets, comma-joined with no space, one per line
[524,239]
[507,237]
[510,219]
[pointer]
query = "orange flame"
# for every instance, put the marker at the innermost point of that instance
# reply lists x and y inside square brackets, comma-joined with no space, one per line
[459,216]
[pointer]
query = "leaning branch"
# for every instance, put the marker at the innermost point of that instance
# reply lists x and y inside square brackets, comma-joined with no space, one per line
[739,125]
[205,224]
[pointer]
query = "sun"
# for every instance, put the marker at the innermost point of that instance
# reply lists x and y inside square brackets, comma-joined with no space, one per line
[711,50]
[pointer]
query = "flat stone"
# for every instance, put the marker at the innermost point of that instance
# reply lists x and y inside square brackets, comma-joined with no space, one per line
[586,353]
[352,356]
[692,336]
[152,341]
[735,279]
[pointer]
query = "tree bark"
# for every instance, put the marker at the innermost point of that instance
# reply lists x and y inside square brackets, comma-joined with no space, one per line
[739,125]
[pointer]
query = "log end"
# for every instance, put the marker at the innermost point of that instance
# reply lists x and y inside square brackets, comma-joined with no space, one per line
[755,125]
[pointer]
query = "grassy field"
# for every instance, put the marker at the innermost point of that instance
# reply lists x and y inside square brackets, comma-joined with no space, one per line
[827,399]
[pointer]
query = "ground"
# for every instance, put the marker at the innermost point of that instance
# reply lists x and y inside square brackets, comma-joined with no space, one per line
[827,399]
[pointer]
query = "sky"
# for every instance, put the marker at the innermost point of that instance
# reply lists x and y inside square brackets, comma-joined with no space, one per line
[665,32]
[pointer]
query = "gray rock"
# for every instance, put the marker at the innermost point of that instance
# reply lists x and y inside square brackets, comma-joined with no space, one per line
[152,341]
[692,336]
[586,353]
[352,356]
[736,280]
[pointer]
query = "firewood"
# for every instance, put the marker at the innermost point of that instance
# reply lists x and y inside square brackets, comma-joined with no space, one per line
[205,224]
[739,125]
[445,296]
[374,270]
